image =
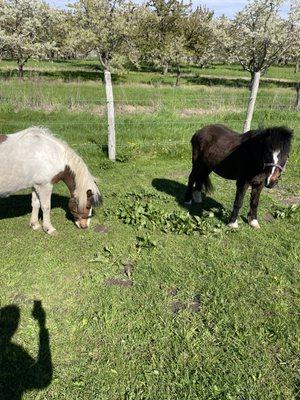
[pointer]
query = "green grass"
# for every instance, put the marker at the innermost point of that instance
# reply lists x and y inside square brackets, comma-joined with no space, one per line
[114,342]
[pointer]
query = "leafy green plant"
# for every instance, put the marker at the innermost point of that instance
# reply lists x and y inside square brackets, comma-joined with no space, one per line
[145,214]
[286,212]
[145,242]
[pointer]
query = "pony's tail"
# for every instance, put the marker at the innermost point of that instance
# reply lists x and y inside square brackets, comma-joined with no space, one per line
[196,152]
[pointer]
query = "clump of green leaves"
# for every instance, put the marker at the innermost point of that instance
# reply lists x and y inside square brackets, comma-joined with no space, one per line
[145,242]
[286,212]
[149,216]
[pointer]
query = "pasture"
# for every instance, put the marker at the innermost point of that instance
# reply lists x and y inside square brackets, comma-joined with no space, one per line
[155,301]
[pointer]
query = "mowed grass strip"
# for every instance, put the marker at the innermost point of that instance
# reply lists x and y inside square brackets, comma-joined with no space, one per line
[148,340]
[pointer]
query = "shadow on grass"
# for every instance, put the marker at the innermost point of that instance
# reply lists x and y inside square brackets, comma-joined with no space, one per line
[19,371]
[20,204]
[65,75]
[234,82]
[177,190]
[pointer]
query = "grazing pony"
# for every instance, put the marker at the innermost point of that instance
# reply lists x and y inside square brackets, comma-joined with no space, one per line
[34,158]
[255,158]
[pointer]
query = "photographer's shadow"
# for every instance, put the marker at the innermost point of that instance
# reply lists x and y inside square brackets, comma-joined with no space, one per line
[19,372]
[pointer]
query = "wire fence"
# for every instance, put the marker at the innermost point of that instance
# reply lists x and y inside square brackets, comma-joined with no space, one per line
[139,118]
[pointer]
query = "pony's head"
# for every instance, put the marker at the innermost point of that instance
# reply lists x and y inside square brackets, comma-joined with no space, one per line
[82,213]
[276,153]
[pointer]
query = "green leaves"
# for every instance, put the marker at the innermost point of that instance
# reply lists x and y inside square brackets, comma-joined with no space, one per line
[144,213]
[286,212]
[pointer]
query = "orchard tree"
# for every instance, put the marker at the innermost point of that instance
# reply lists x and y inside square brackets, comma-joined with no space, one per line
[24,30]
[161,37]
[200,36]
[260,38]
[105,26]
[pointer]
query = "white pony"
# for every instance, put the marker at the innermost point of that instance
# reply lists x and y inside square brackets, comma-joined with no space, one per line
[34,158]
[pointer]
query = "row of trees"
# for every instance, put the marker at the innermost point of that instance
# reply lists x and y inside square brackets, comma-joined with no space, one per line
[161,32]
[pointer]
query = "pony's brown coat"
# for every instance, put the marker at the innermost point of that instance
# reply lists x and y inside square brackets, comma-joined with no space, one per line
[3,138]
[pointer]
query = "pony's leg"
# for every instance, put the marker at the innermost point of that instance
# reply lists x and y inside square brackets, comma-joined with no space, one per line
[189,191]
[254,199]
[44,193]
[202,179]
[241,188]
[35,203]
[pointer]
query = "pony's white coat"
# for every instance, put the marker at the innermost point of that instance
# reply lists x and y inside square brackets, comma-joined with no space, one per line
[33,157]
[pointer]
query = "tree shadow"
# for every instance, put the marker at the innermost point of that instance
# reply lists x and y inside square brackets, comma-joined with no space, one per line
[65,75]
[235,82]
[177,190]
[20,204]
[19,372]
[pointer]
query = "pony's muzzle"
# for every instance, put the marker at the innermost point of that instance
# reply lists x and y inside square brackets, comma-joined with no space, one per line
[271,184]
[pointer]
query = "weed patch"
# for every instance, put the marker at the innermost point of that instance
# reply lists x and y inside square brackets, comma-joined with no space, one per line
[142,212]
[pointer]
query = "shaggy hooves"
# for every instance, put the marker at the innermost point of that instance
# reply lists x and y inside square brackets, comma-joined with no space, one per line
[233,225]
[197,197]
[35,226]
[188,202]
[254,224]
[50,231]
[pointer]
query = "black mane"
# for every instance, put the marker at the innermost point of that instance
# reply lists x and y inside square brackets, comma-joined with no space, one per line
[279,137]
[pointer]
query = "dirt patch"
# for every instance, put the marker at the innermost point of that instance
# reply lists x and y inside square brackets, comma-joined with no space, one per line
[286,198]
[290,200]
[177,306]
[101,229]
[98,110]
[130,109]
[268,217]
[195,305]
[21,299]
[189,112]
[128,269]
[118,282]
[178,174]
[173,291]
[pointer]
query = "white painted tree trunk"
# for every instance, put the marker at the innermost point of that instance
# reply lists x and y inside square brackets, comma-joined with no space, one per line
[251,103]
[110,116]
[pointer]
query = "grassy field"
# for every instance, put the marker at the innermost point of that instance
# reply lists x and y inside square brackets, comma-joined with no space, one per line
[173,306]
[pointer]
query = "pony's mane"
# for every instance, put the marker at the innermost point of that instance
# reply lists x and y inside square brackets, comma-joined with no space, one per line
[83,178]
[280,136]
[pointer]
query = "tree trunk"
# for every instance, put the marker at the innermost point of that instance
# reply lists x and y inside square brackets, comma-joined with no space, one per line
[110,116]
[252,99]
[297,105]
[297,66]
[178,75]
[165,69]
[21,70]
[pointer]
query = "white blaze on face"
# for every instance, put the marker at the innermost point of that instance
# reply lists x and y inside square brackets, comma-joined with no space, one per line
[275,161]
[89,218]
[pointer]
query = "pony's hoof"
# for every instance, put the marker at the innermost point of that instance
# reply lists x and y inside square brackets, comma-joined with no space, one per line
[188,202]
[254,224]
[51,231]
[35,226]
[233,225]
[197,197]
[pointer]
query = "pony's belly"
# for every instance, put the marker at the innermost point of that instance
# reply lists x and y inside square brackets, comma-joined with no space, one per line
[226,173]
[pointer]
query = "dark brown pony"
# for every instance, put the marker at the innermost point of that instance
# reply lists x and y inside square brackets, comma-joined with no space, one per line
[254,159]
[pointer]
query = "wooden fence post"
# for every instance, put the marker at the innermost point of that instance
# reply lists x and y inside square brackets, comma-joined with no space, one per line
[110,116]
[297,105]
[251,103]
